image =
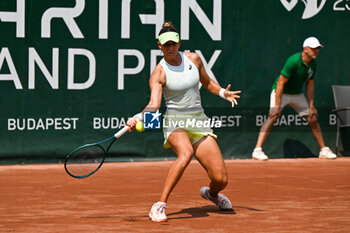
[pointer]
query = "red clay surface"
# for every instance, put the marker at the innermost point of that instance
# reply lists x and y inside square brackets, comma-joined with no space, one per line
[280,195]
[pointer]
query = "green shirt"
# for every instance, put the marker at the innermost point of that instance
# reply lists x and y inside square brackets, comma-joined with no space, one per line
[297,73]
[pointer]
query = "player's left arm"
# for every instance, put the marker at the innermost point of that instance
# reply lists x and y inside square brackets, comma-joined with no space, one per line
[310,92]
[211,85]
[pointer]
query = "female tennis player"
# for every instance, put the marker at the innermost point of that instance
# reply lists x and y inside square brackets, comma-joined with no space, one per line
[177,77]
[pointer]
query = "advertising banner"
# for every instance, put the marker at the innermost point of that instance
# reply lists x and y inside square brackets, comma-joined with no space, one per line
[73,71]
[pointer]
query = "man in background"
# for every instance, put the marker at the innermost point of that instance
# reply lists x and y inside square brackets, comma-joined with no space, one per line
[298,70]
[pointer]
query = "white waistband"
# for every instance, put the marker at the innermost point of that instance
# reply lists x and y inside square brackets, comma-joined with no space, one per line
[187,110]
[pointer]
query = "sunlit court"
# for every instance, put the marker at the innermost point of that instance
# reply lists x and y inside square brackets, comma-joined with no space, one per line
[281,195]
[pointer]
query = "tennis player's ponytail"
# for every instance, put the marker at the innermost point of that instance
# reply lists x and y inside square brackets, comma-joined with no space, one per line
[167,27]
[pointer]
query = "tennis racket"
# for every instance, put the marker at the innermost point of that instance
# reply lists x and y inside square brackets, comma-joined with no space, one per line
[87,159]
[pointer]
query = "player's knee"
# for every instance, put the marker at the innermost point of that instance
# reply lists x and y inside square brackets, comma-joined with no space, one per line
[312,120]
[224,182]
[185,157]
[221,180]
[273,118]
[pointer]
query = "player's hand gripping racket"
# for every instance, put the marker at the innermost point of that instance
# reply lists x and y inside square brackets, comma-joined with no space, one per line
[87,159]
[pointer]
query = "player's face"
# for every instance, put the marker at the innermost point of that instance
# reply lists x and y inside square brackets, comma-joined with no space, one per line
[170,49]
[312,53]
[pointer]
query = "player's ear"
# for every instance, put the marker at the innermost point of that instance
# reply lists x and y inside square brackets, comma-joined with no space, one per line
[159,45]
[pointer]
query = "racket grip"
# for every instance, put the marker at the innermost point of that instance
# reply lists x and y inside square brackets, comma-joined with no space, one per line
[121,132]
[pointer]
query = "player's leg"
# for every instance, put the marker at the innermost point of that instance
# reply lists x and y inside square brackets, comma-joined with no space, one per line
[265,130]
[266,127]
[182,147]
[301,106]
[208,154]
[325,152]
[315,129]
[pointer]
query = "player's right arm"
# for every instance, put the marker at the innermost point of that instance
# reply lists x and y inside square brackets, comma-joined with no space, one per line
[156,83]
[282,80]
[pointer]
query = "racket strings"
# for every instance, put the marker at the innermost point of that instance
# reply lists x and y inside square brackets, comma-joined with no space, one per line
[85,161]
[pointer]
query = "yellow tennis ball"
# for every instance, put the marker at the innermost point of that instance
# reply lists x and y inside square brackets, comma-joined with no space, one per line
[139,126]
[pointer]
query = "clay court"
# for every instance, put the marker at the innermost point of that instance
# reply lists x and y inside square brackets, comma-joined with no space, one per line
[281,195]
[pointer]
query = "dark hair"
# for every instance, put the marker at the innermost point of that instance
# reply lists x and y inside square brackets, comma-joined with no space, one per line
[167,27]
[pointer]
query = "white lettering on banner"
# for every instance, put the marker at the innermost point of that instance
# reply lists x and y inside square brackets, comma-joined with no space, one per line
[222,121]
[103,20]
[125,24]
[228,121]
[67,14]
[33,59]
[156,19]
[332,119]
[173,123]
[122,70]
[31,124]
[108,122]
[313,7]
[13,76]
[17,17]
[213,29]
[284,120]
[210,64]
[53,77]
[259,120]
[233,120]
[92,69]
[344,5]
[154,54]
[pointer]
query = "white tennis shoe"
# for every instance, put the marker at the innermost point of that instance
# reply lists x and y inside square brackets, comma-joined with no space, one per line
[326,153]
[221,200]
[157,213]
[259,154]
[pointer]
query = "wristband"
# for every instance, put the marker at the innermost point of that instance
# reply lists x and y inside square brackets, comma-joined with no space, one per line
[139,115]
[221,93]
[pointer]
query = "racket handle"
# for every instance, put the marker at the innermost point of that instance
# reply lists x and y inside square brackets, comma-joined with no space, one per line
[121,132]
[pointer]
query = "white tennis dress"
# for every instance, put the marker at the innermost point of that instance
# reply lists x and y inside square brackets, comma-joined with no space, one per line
[183,101]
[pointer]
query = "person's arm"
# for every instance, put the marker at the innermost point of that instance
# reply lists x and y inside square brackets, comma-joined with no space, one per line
[310,92]
[279,89]
[210,85]
[156,83]
[276,110]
